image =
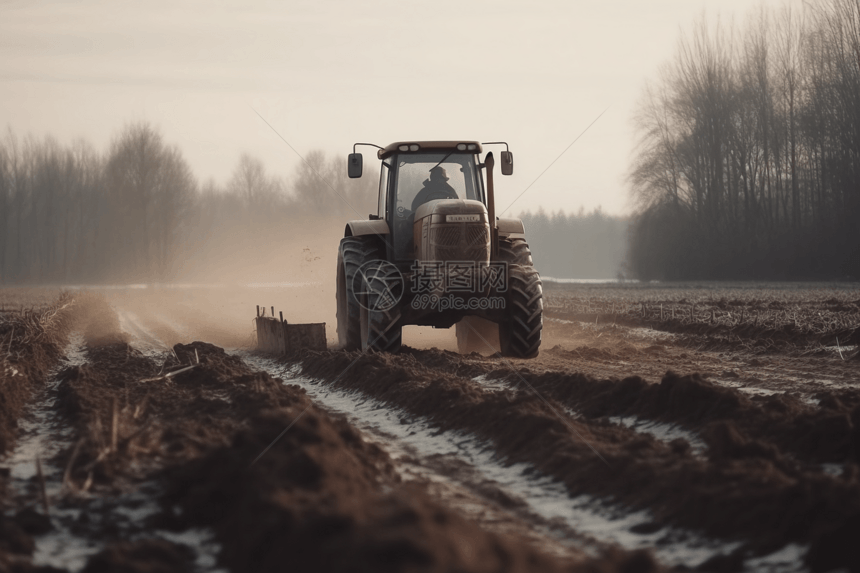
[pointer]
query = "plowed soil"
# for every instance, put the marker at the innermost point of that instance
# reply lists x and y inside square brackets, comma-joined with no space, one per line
[665,427]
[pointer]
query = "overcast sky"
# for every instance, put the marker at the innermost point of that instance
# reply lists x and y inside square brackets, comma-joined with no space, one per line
[326,74]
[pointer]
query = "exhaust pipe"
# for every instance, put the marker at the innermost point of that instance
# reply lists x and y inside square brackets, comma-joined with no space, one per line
[489,162]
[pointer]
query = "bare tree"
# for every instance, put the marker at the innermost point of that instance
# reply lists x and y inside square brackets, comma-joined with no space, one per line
[132,174]
[756,138]
[250,182]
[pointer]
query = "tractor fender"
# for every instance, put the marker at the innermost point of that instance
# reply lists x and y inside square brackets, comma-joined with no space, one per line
[359,228]
[511,228]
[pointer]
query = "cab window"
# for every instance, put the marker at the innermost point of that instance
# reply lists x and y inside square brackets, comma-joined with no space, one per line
[411,171]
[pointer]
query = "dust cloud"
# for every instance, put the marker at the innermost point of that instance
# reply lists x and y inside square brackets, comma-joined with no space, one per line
[293,272]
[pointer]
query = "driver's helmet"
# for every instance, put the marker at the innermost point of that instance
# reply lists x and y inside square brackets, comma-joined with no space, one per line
[438,173]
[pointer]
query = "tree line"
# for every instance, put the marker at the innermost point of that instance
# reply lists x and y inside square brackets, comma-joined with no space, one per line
[748,159]
[137,213]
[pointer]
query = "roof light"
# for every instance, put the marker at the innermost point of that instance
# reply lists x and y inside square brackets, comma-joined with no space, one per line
[461,146]
[403,148]
[472,147]
[413,147]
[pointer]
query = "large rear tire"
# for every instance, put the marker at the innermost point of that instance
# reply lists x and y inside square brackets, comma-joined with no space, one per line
[352,253]
[520,333]
[515,251]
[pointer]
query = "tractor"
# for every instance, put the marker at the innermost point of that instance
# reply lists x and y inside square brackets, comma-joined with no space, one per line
[435,254]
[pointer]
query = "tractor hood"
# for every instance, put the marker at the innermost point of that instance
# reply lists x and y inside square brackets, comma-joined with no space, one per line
[452,230]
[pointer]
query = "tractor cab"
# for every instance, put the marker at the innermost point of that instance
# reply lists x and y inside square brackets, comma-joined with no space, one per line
[410,180]
[435,254]
[414,174]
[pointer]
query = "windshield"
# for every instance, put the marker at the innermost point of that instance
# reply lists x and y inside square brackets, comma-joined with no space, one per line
[418,179]
[413,175]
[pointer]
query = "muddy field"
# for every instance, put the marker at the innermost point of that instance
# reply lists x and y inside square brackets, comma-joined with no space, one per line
[662,427]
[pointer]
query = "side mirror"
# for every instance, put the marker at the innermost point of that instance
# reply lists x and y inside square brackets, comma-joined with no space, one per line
[354,164]
[507,163]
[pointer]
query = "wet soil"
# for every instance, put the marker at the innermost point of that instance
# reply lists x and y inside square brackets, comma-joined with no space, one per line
[743,489]
[736,421]
[31,342]
[781,318]
[221,447]
[816,433]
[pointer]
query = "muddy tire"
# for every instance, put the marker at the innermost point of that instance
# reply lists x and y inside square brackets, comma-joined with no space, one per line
[353,252]
[520,333]
[476,334]
[379,311]
[516,252]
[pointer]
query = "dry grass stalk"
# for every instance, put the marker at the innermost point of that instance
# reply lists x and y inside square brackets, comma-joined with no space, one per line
[31,326]
[839,349]
[67,474]
[89,481]
[170,375]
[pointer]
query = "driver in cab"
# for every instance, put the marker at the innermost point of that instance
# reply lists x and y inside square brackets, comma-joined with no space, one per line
[434,188]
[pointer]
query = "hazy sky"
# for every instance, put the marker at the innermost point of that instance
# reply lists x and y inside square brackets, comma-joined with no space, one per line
[326,74]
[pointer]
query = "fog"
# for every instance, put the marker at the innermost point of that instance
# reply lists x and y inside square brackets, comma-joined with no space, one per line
[327,74]
[207,154]
[184,259]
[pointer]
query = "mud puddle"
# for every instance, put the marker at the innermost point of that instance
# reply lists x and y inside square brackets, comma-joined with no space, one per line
[41,437]
[86,524]
[584,523]
[663,431]
[782,383]
[39,434]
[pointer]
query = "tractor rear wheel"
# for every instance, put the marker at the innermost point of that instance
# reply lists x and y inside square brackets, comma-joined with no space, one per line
[515,251]
[520,333]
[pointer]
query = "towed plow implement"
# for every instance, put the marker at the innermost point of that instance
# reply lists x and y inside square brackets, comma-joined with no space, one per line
[277,336]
